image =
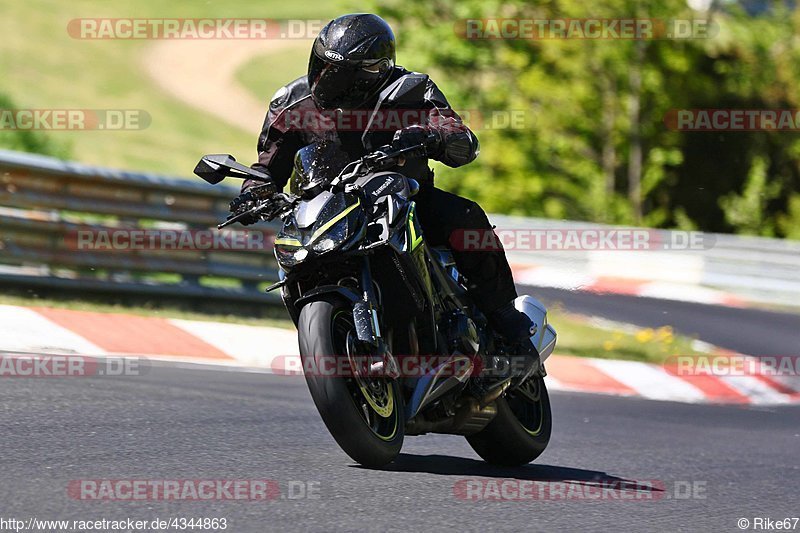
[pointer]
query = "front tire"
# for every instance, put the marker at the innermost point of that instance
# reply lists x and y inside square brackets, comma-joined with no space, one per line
[365,417]
[521,430]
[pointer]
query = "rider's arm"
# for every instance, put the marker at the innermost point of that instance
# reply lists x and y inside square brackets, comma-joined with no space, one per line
[277,145]
[458,145]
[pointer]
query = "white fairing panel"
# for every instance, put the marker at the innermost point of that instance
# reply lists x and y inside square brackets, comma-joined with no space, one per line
[545,337]
[307,211]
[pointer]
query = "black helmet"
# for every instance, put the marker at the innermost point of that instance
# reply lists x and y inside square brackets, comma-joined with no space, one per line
[350,61]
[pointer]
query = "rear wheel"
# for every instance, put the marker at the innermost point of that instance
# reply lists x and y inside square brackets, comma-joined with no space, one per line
[521,430]
[364,415]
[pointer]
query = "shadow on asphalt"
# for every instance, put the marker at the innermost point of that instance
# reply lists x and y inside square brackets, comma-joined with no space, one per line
[461,466]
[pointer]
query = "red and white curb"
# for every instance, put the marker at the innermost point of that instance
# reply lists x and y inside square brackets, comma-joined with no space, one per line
[49,330]
[560,278]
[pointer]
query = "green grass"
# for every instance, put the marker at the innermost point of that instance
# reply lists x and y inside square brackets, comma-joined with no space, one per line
[578,336]
[264,74]
[43,67]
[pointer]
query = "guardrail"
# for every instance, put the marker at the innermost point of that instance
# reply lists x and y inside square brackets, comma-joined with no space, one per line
[57,215]
[752,268]
[46,203]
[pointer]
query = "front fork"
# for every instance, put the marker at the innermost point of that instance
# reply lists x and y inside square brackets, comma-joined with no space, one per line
[368,328]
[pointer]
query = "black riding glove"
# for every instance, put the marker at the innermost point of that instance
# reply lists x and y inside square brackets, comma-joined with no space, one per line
[416,135]
[248,199]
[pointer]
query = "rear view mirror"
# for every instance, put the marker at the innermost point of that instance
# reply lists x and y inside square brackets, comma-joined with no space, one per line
[406,90]
[214,168]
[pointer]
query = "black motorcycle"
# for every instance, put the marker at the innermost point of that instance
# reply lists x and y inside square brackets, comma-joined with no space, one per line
[390,342]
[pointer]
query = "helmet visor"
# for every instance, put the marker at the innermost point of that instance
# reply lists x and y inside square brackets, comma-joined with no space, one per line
[345,85]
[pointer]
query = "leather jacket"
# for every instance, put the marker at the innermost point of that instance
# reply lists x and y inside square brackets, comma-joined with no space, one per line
[294,120]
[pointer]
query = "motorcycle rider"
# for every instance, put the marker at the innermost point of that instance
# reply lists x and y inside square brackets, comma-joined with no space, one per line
[352,60]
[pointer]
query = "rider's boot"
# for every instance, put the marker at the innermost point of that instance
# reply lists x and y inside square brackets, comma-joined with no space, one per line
[517,329]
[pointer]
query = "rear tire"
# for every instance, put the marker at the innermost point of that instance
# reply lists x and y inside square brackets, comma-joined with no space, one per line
[368,427]
[521,430]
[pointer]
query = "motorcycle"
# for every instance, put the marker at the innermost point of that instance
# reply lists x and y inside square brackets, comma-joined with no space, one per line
[371,299]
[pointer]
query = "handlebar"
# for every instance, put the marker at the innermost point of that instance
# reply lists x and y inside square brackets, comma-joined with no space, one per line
[276,205]
[279,204]
[382,158]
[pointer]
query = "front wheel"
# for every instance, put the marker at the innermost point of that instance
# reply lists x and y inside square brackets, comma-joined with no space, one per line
[521,430]
[364,415]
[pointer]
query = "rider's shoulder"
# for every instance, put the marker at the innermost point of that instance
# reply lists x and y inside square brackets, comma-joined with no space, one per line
[402,72]
[411,76]
[290,93]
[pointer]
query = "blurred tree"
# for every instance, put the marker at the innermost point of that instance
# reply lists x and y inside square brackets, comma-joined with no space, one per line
[746,212]
[595,144]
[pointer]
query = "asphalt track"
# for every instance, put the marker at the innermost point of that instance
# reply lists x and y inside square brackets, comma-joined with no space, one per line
[756,332]
[196,423]
[692,467]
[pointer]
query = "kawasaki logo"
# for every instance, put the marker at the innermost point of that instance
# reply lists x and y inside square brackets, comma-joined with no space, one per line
[383,186]
[335,56]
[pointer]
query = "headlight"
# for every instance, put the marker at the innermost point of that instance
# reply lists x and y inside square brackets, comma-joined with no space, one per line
[290,257]
[325,245]
[332,238]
